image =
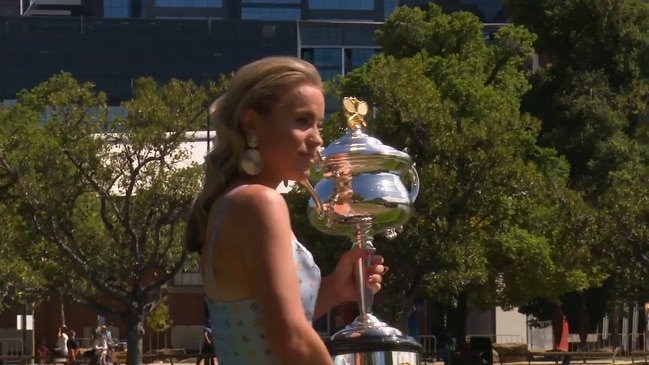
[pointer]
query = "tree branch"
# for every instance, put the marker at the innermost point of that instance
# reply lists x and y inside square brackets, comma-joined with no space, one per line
[92,181]
[82,267]
[156,285]
[99,307]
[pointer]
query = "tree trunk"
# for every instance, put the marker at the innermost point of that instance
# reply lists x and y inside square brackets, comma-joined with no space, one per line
[460,318]
[614,326]
[135,329]
[557,327]
[62,309]
[583,327]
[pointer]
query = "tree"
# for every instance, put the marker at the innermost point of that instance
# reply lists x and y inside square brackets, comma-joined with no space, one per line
[493,210]
[159,320]
[107,198]
[592,108]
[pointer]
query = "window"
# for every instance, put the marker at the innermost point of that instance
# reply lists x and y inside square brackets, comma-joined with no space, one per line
[315,35]
[188,279]
[327,57]
[488,8]
[328,61]
[272,2]
[358,57]
[189,3]
[117,8]
[271,13]
[341,4]
[389,6]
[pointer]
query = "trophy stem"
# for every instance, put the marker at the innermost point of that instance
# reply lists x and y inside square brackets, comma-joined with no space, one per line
[363,240]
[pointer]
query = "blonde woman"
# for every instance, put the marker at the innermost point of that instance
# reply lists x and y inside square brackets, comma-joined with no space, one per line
[263,287]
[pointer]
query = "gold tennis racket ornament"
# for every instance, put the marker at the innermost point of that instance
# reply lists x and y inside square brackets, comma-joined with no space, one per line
[355,111]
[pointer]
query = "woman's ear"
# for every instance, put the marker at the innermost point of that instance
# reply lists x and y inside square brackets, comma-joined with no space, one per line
[249,121]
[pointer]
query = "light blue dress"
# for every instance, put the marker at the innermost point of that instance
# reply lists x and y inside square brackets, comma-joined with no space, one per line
[237,327]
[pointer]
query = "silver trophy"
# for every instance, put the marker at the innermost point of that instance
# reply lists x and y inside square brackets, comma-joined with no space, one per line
[360,194]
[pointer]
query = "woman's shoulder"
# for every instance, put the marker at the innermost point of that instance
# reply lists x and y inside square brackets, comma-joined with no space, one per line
[254,199]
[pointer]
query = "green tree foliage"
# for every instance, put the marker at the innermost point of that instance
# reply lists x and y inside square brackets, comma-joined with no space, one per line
[494,219]
[102,200]
[592,105]
[158,318]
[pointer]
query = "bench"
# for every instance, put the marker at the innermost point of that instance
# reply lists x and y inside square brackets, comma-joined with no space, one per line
[561,356]
[641,354]
[169,356]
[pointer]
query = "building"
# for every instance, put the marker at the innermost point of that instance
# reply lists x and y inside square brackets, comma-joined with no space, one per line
[188,39]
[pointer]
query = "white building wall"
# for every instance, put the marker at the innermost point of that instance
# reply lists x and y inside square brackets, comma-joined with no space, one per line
[499,325]
[540,338]
[511,326]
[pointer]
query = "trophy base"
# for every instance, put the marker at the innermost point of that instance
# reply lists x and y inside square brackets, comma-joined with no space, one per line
[368,341]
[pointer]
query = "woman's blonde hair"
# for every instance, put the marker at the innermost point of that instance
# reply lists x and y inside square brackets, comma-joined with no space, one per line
[259,86]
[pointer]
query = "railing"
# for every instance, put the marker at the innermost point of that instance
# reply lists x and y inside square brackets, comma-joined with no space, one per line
[499,338]
[84,342]
[429,343]
[11,346]
[597,341]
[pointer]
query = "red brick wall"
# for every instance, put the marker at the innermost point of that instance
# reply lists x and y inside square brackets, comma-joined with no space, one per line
[184,308]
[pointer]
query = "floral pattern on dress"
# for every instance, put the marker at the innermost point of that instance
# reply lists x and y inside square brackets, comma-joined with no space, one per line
[238,327]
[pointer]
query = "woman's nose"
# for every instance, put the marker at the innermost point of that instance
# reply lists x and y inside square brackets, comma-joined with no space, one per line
[316,140]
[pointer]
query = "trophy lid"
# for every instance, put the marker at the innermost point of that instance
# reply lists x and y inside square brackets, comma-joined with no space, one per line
[359,152]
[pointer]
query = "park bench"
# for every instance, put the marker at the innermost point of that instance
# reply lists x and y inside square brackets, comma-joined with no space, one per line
[558,356]
[169,356]
[641,354]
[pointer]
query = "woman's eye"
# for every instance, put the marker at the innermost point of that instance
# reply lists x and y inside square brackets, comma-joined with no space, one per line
[303,121]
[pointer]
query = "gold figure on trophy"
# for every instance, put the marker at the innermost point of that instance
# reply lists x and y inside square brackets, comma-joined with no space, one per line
[355,111]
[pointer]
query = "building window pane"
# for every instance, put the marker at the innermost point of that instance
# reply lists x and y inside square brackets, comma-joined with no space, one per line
[489,9]
[188,279]
[271,13]
[327,57]
[341,4]
[358,57]
[189,3]
[389,6]
[117,8]
[272,2]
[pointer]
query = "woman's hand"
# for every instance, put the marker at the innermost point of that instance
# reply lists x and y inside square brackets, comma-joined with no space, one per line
[340,286]
[343,278]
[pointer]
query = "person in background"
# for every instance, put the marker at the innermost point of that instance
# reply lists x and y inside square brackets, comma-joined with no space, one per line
[413,323]
[100,346]
[61,348]
[263,286]
[112,343]
[448,347]
[207,348]
[43,352]
[73,348]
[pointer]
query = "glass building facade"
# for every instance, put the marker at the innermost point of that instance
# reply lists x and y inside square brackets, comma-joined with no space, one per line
[106,52]
[277,10]
[489,11]
[337,48]
[193,39]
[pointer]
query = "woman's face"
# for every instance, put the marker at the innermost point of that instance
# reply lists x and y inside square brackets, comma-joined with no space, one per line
[289,136]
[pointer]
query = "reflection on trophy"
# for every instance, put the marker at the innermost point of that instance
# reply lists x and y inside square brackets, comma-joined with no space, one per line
[360,194]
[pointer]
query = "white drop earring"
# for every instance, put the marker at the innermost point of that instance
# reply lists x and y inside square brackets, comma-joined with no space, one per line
[251,163]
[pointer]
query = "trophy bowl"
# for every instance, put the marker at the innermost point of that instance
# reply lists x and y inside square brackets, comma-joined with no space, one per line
[360,193]
[381,196]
